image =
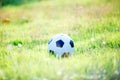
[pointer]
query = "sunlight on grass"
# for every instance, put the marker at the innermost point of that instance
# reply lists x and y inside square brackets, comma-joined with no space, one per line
[26,29]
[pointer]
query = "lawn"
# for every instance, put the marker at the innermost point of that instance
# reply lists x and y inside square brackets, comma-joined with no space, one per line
[25,30]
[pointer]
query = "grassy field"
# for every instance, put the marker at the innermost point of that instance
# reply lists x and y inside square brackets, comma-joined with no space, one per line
[25,30]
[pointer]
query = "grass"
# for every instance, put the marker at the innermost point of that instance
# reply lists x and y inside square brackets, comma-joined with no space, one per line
[25,30]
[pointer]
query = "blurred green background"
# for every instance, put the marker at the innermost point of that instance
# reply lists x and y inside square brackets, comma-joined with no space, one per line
[27,25]
[15,2]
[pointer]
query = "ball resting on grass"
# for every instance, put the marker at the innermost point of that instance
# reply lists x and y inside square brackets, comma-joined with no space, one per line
[61,45]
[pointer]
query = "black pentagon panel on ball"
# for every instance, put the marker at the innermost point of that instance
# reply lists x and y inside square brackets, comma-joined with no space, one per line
[50,41]
[71,43]
[59,43]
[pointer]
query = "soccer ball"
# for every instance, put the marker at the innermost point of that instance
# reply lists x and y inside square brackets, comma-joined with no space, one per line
[61,45]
